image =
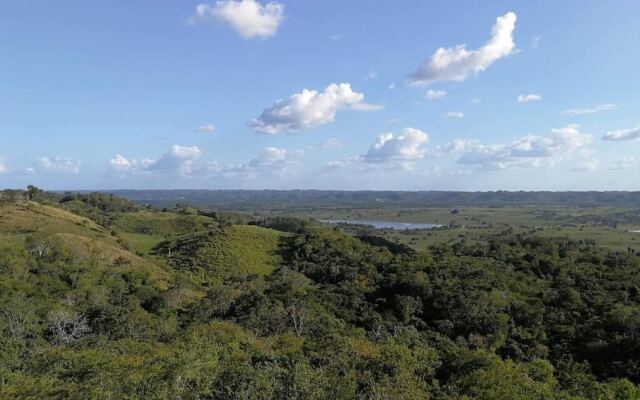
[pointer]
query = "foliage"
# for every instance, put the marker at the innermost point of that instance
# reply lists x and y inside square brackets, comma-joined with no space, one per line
[226,311]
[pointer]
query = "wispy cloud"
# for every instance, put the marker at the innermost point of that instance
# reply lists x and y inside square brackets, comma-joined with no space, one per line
[331,143]
[527,98]
[208,128]
[454,114]
[592,110]
[435,94]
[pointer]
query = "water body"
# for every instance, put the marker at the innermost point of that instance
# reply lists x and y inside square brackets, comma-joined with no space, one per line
[382,224]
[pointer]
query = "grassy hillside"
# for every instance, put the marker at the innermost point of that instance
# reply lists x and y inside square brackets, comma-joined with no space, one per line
[138,304]
[234,251]
[75,236]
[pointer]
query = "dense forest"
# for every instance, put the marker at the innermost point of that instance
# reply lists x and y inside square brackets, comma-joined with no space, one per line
[296,199]
[102,298]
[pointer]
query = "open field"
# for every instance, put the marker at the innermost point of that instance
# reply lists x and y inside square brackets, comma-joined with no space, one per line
[606,226]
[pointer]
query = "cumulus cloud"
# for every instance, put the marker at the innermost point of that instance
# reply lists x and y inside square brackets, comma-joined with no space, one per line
[527,98]
[58,165]
[309,109]
[528,151]
[454,114]
[391,151]
[457,146]
[622,135]
[186,162]
[457,63]
[435,94]
[248,18]
[3,167]
[120,164]
[207,128]
[272,161]
[406,147]
[179,160]
[592,110]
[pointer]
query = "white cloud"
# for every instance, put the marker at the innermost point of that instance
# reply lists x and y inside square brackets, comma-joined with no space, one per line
[435,94]
[621,135]
[207,128]
[179,159]
[390,151]
[592,110]
[526,98]
[528,151]
[309,109]
[344,163]
[334,37]
[626,163]
[3,167]
[457,63]
[120,164]
[248,18]
[186,162]
[588,165]
[331,143]
[407,147]
[454,114]
[367,107]
[272,161]
[58,165]
[457,146]
[392,85]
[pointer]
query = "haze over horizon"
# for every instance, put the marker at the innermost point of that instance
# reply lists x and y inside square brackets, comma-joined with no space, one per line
[329,95]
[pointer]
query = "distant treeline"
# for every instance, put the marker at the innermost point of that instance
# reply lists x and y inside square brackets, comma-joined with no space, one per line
[301,199]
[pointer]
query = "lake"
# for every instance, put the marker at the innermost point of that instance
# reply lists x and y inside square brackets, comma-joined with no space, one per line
[382,224]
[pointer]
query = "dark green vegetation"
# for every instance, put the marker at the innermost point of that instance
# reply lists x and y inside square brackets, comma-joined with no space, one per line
[307,199]
[101,298]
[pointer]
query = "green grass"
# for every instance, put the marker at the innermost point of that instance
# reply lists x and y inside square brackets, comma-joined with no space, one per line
[252,249]
[476,224]
[165,223]
[22,219]
[141,243]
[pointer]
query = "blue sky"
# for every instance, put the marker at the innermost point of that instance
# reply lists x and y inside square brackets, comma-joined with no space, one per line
[326,95]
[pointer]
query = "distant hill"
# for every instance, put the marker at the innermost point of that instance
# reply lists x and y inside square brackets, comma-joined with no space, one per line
[300,199]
